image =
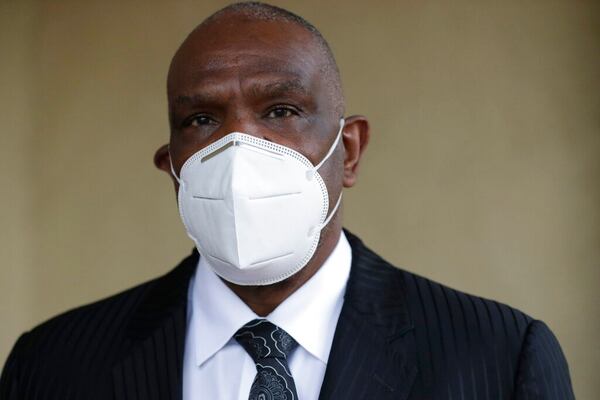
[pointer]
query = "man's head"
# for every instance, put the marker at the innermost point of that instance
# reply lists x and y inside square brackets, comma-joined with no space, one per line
[266,72]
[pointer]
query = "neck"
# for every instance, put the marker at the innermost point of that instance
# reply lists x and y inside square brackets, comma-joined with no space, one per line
[264,299]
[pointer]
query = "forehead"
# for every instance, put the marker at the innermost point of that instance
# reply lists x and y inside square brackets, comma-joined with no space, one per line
[244,48]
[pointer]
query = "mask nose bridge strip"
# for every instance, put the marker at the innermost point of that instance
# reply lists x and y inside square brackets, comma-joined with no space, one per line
[221,149]
[234,142]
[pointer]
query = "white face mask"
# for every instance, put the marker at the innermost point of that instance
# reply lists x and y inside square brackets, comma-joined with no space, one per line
[254,209]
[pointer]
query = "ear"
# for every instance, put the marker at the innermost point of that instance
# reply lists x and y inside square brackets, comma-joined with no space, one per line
[162,159]
[355,135]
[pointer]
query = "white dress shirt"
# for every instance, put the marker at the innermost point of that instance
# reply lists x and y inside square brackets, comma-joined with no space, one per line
[217,367]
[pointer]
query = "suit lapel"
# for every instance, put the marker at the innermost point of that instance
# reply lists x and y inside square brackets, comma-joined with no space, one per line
[370,357]
[153,361]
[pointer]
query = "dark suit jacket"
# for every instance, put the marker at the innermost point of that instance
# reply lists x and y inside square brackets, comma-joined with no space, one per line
[399,336]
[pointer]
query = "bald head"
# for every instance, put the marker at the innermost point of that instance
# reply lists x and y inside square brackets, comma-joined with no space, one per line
[257,11]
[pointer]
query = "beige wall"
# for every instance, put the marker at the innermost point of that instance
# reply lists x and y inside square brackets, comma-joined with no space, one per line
[17,232]
[483,171]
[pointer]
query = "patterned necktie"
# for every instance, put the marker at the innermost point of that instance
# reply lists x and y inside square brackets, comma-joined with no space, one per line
[269,347]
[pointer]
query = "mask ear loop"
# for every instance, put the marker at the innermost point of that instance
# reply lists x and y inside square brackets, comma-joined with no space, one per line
[332,213]
[171,164]
[333,146]
[311,172]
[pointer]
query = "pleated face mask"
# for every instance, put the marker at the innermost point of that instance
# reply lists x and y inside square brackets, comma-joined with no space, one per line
[254,209]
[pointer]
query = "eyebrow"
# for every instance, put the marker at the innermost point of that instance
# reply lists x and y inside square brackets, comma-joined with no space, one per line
[271,89]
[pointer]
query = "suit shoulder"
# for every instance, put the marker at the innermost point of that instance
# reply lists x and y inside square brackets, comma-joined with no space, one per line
[431,304]
[465,328]
[85,339]
[459,309]
[516,351]
[106,316]
[109,316]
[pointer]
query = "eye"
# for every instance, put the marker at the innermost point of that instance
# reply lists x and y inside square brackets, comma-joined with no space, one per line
[198,120]
[282,112]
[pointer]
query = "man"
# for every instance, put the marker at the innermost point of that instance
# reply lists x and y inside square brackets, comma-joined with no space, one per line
[278,302]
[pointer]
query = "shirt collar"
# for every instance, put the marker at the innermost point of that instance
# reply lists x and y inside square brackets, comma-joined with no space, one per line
[309,315]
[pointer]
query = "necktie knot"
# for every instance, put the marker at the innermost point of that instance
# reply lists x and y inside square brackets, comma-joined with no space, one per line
[262,339]
[269,346]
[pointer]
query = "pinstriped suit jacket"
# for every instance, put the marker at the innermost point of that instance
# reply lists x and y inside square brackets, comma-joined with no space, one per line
[399,336]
